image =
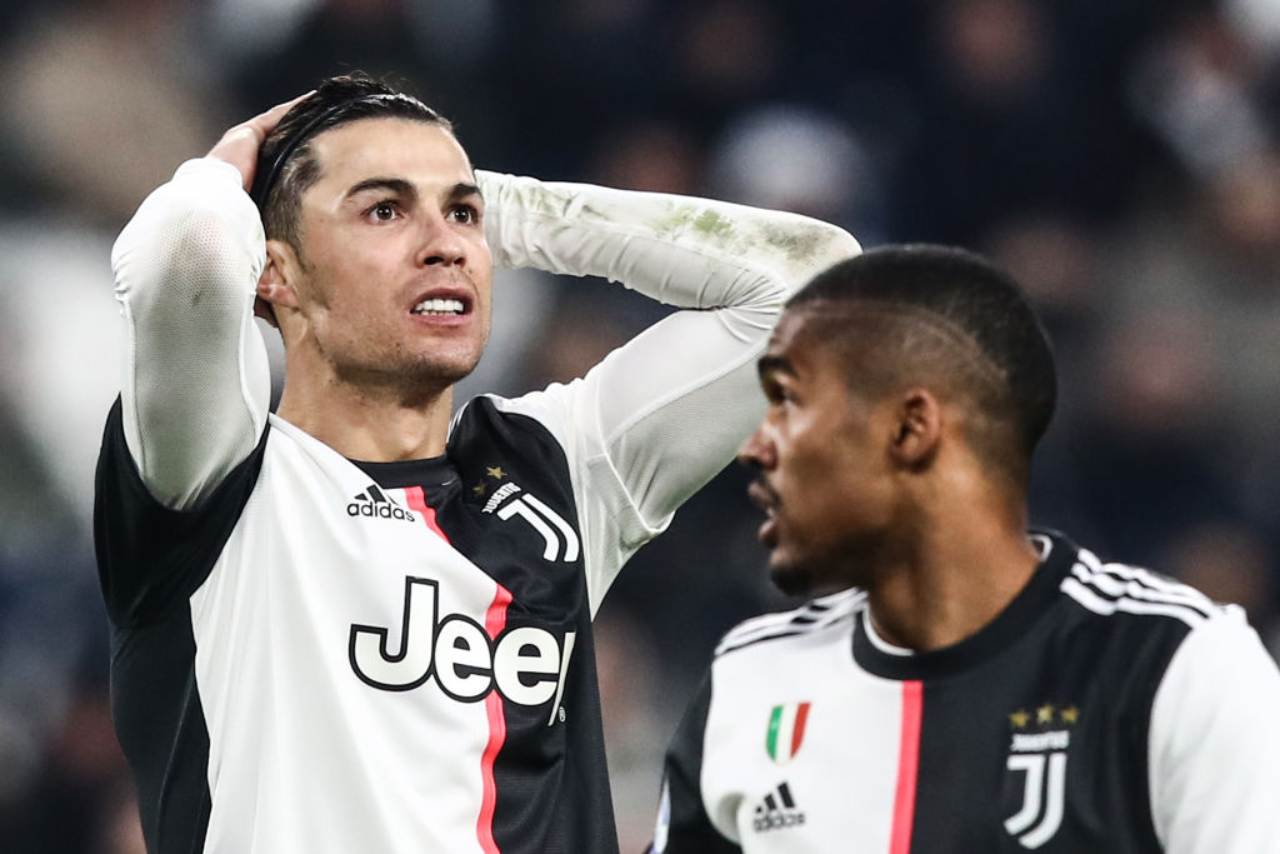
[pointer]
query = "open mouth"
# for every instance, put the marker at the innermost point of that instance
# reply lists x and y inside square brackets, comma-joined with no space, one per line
[762,496]
[443,304]
[438,307]
[767,500]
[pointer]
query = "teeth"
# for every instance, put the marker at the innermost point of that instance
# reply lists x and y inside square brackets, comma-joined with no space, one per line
[439,306]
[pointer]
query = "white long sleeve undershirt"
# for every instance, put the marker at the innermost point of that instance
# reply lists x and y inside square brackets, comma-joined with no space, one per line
[195,383]
[1214,748]
[656,419]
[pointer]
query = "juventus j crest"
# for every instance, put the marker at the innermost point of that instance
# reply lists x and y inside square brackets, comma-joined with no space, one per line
[1037,759]
[558,536]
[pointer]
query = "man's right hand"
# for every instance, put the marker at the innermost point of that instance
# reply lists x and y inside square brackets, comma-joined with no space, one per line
[239,145]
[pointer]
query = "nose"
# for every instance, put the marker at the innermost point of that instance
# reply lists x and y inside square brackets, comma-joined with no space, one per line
[441,245]
[758,451]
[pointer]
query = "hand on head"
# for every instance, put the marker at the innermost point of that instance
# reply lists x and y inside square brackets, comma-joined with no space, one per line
[239,145]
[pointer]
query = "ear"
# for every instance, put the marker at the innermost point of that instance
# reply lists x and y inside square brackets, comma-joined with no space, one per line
[917,428]
[276,284]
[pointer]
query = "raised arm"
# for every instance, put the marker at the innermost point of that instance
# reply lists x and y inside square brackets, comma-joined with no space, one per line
[660,416]
[195,384]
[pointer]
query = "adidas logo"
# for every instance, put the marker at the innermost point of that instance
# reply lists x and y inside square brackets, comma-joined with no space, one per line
[373,504]
[777,810]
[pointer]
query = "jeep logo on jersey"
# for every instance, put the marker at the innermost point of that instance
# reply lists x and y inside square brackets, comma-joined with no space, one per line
[560,543]
[526,664]
[1042,758]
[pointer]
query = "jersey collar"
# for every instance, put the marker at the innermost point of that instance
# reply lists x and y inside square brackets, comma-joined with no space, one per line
[436,475]
[1011,624]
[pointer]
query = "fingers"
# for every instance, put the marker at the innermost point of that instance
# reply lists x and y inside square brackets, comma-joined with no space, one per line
[265,122]
[239,145]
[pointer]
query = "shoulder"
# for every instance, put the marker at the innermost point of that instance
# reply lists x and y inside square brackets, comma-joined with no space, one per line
[536,418]
[545,414]
[152,557]
[1142,627]
[494,437]
[815,618]
[1128,594]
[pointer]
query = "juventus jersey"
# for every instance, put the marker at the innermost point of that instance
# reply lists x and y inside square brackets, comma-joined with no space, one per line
[303,629]
[1106,709]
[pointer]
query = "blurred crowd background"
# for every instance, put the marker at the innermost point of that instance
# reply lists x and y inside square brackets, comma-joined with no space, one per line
[1121,157]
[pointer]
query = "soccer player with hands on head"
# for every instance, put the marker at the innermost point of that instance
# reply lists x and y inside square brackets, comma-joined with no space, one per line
[363,622]
[959,685]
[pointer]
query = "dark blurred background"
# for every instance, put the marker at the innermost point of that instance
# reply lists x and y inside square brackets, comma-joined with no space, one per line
[1121,157]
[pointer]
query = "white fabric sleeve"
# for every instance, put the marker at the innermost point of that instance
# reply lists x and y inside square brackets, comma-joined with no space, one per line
[653,422]
[1214,744]
[196,385]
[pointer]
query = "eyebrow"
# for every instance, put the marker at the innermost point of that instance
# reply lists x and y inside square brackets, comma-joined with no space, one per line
[398,186]
[401,187]
[774,365]
[462,189]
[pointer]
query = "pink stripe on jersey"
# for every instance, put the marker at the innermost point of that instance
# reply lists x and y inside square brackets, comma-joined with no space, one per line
[418,502]
[904,803]
[495,620]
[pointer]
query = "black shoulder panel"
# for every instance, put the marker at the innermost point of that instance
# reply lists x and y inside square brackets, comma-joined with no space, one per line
[152,558]
[552,783]
[689,830]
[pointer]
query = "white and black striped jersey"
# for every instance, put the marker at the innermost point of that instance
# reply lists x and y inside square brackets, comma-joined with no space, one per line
[1106,709]
[312,654]
[332,656]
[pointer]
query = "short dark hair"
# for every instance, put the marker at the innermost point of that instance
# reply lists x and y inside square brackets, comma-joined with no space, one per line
[286,167]
[1010,374]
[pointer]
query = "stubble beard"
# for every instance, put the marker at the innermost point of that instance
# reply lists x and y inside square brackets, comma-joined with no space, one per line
[405,376]
[848,563]
[791,579]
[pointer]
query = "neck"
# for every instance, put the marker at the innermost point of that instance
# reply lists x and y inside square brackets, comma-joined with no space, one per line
[959,568]
[366,421]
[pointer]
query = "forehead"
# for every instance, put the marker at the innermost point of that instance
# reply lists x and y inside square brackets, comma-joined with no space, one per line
[422,152]
[789,327]
[794,347]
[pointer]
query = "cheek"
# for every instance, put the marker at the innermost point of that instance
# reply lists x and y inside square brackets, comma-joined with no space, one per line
[838,486]
[350,279]
[481,263]
[804,477]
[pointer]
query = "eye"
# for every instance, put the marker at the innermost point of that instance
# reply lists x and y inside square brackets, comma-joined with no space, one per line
[775,392]
[384,211]
[465,214]
[784,395]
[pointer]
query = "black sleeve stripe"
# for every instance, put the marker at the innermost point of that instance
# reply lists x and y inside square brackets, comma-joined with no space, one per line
[725,650]
[816,614]
[1118,581]
[799,622]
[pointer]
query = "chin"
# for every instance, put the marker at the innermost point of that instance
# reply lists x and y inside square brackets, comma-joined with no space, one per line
[811,574]
[441,369]
[448,373]
[790,578]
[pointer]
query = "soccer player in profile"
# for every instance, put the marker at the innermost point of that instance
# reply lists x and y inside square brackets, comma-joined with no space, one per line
[958,686]
[359,625]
